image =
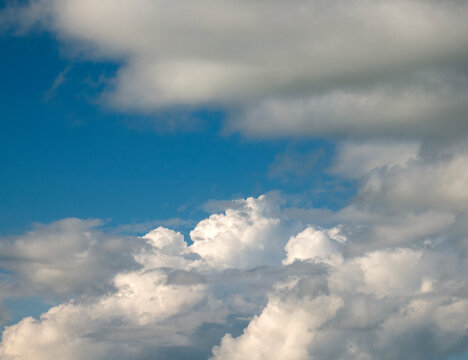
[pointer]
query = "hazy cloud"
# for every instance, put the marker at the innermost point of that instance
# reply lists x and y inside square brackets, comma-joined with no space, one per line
[58,81]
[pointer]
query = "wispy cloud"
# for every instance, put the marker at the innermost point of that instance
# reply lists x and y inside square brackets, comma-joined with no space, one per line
[59,80]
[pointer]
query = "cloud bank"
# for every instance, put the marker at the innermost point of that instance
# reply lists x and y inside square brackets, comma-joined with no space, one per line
[314,68]
[256,283]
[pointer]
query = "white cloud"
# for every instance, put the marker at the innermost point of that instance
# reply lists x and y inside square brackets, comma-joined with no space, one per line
[252,234]
[283,330]
[328,298]
[143,308]
[378,305]
[315,244]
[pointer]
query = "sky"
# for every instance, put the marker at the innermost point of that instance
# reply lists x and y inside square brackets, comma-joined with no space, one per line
[234,179]
[67,155]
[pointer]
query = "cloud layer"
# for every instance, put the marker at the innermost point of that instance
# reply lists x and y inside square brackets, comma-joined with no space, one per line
[332,68]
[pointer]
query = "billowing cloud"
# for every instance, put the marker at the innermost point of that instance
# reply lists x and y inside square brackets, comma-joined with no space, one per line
[67,257]
[380,305]
[325,297]
[248,236]
[314,243]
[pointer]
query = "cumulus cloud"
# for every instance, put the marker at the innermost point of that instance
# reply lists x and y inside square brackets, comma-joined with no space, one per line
[67,257]
[315,298]
[406,192]
[143,308]
[314,243]
[378,305]
[283,330]
[251,235]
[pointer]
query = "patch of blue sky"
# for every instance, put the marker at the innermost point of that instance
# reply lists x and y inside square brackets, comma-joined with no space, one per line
[65,154]
[19,308]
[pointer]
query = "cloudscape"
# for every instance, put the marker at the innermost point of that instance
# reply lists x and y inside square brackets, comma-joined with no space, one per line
[230,180]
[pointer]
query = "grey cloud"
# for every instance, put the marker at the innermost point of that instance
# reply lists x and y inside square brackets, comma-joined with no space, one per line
[67,257]
[358,160]
[301,68]
[424,183]
[427,106]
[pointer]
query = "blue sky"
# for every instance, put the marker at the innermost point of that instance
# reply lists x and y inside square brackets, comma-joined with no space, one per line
[231,180]
[65,154]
